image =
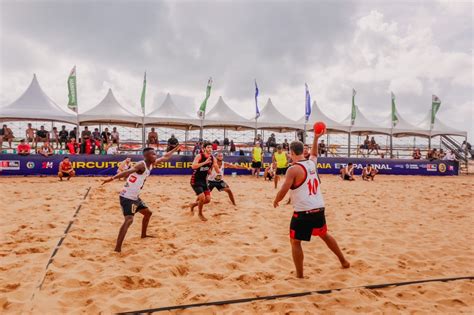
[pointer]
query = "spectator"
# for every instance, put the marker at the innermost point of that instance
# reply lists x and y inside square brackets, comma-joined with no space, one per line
[172,143]
[106,136]
[65,169]
[46,150]
[232,146]
[226,143]
[301,135]
[30,133]
[258,138]
[286,145]
[153,137]
[86,133]
[373,146]
[73,133]
[366,144]
[73,146]
[115,136]
[63,134]
[432,155]
[42,135]
[23,148]
[7,135]
[96,140]
[466,148]
[87,145]
[322,148]
[441,154]
[197,148]
[215,145]
[450,156]
[416,154]
[55,137]
[96,134]
[271,142]
[306,151]
[112,150]
[2,134]
[369,172]
[347,173]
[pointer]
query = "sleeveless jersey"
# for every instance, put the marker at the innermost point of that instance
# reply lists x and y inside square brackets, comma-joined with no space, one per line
[200,174]
[281,160]
[307,196]
[214,175]
[66,165]
[135,183]
[257,154]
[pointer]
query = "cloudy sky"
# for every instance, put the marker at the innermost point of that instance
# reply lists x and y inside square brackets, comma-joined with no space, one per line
[413,48]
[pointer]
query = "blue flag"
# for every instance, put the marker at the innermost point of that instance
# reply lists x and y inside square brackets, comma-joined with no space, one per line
[308,104]
[257,111]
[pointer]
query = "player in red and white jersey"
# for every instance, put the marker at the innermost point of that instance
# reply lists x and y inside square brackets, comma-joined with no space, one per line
[130,195]
[308,219]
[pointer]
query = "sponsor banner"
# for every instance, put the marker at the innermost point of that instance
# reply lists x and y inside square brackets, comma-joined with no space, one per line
[104,165]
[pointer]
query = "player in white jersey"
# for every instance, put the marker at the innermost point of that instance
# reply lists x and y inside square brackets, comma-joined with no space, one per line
[216,180]
[308,218]
[130,195]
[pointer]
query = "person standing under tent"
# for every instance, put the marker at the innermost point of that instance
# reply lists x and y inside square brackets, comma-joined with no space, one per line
[308,218]
[257,159]
[63,134]
[215,179]
[130,195]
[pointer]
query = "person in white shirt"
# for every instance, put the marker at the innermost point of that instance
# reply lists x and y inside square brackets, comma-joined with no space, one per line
[112,150]
[450,156]
[308,218]
[369,172]
[130,195]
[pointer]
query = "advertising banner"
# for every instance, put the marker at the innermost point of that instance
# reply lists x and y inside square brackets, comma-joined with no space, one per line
[105,165]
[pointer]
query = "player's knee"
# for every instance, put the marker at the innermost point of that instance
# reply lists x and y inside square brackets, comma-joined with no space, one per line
[207,199]
[128,220]
[295,242]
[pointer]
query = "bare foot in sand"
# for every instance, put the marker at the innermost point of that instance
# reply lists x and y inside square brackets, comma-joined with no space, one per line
[345,264]
[202,217]
[148,236]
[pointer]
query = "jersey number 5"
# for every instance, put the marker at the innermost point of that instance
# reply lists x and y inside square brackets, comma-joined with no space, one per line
[313,186]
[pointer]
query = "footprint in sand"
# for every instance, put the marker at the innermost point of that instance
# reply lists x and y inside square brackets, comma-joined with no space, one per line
[180,271]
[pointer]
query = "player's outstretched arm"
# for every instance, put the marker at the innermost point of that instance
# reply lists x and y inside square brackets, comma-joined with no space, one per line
[314,148]
[137,168]
[289,179]
[168,155]
[236,166]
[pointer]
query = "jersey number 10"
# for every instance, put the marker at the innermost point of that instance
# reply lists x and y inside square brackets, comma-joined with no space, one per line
[313,186]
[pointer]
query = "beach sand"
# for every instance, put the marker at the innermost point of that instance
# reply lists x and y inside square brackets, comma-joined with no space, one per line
[397,228]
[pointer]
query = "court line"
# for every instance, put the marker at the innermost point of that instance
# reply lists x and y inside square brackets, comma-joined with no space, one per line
[291,295]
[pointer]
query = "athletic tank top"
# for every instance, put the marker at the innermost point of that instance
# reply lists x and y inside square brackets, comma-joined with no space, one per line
[200,174]
[307,196]
[133,186]
[257,154]
[214,175]
[66,165]
[281,160]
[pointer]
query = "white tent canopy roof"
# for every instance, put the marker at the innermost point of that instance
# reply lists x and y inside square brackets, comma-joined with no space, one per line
[271,118]
[364,126]
[222,115]
[439,128]
[403,127]
[318,115]
[34,104]
[109,110]
[168,114]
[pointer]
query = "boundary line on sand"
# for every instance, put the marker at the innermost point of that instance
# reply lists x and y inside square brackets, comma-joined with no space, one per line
[60,242]
[291,295]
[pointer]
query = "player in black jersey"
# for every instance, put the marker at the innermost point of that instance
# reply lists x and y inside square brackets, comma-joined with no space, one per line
[202,166]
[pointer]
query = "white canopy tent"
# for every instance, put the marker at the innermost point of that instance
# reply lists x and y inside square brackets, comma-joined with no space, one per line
[332,126]
[169,115]
[364,126]
[272,119]
[223,116]
[110,111]
[403,128]
[34,104]
[439,128]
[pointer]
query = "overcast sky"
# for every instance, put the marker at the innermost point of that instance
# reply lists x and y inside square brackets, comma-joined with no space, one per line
[413,48]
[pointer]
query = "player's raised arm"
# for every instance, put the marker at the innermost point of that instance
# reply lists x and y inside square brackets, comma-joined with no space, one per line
[137,168]
[168,155]
[289,179]
[314,148]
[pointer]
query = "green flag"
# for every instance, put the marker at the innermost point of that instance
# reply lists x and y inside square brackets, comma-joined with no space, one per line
[394,112]
[142,99]
[71,86]
[435,105]
[202,109]
[353,111]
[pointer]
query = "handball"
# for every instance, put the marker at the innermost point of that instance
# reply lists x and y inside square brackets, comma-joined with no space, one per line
[319,127]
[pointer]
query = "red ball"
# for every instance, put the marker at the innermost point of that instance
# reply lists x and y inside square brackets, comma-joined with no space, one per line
[319,127]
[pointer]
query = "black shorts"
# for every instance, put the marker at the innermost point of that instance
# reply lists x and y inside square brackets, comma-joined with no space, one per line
[201,187]
[256,164]
[219,184]
[130,207]
[281,171]
[65,174]
[269,176]
[347,177]
[304,224]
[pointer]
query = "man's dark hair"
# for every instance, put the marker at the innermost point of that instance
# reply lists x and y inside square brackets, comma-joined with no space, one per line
[66,157]
[297,147]
[279,147]
[147,149]
[368,165]
[350,163]
[206,143]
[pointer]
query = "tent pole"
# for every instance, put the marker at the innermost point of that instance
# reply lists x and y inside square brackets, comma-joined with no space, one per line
[256,129]
[391,144]
[143,133]
[349,145]
[224,134]
[327,144]
[201,131]
[304,133]
[186,138]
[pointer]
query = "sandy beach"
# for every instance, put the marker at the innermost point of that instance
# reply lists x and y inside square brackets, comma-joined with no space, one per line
[397,228]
